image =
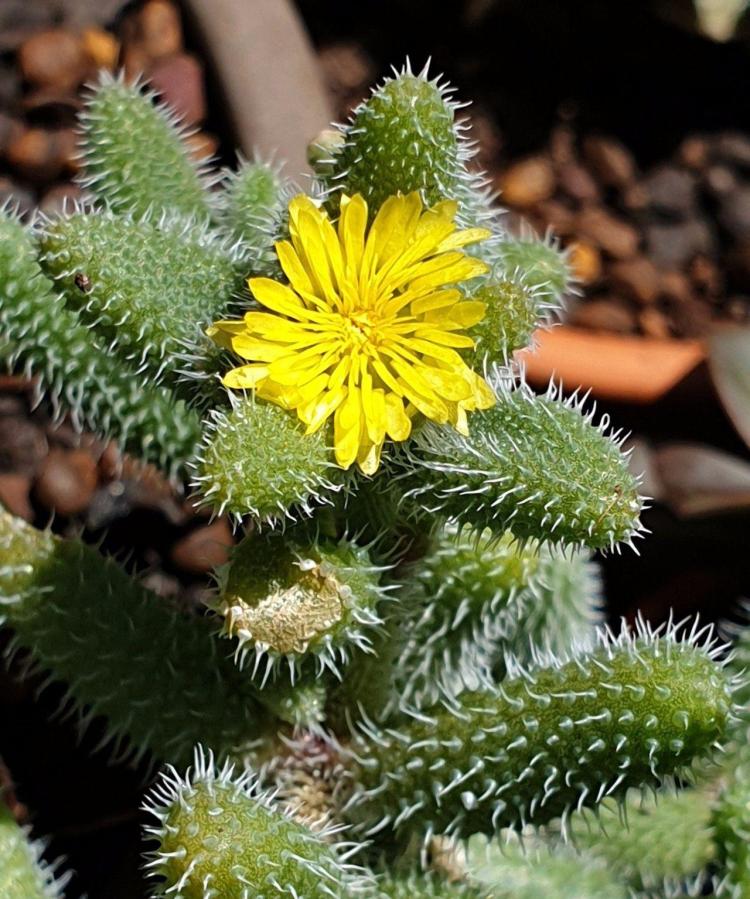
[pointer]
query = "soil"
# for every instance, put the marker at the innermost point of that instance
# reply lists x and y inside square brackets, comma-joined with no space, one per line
[657,225]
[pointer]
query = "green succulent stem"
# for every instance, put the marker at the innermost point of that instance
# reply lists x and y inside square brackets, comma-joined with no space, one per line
[420,885]
[218,835]
[513,871]
[473,598]
[536,465]
[251,208]
[514,309]
[403,138]
[300,703]
[731,823]
[121,648]
[288,599]
[542,266]
[650,841]
[368,687]
[148,286]
[546,741]
[23,873]
[135,157]
[256,461]
[44,338]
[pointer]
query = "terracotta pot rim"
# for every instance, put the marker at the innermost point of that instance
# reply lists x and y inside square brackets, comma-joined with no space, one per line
[613,366]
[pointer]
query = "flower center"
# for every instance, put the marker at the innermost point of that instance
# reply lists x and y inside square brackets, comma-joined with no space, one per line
[360,327]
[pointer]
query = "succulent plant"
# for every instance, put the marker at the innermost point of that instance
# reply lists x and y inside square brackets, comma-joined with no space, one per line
[406,645]
[219,834]
[23,872]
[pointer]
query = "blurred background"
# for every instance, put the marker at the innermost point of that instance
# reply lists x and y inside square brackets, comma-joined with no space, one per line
[624,127]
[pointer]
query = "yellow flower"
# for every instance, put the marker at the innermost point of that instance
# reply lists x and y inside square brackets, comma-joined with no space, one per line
[368,328]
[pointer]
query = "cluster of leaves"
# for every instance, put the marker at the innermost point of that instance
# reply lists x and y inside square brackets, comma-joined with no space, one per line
[389,666]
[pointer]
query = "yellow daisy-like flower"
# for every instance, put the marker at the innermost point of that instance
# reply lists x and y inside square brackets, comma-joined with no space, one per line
[368,328]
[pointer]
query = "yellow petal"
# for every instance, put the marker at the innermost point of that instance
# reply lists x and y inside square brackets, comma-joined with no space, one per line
[403,325]
[274,327]
[413,375]
[233,326]
[421,268]
[286,397]
[288,372]
[483,394]
[435,351]
[333,250]
[365,382]
[445,383]
[427,234]
[320,304]
[367,286]
[222,332]
[462,238]
[461,315]
[278,297]
[250,347]
[431,275]
[460,420]
[297,205]
[352,227]
[397,422]
[350,411]
[446,338]
[316,412]
[245,377]
[374,411]
[321,348]
[292,266]
[311,247]
[445,209]
[311,389]
[384,373]
[433,407]
[346,430]
[435,225]
[368,457]
[340,372]
[432,301]
[403,267]
[394,225]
